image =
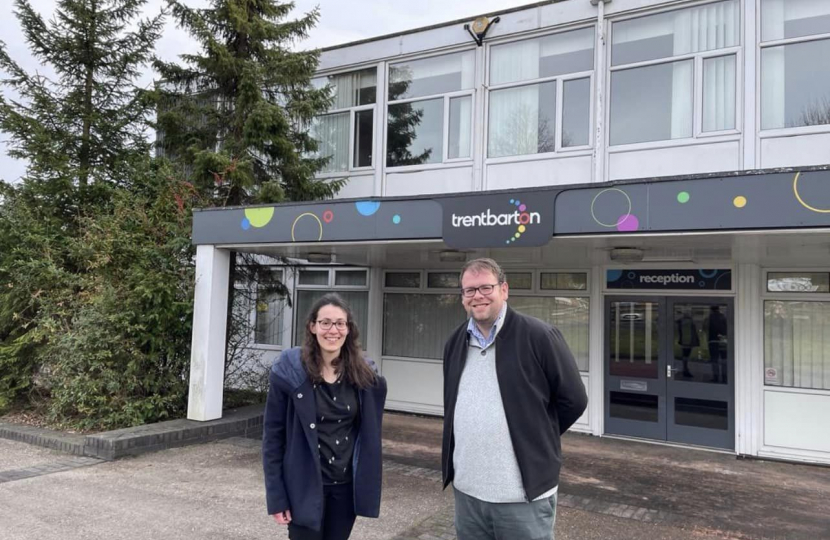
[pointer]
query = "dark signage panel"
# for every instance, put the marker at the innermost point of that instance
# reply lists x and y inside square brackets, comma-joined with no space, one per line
[524,219]
[674,280]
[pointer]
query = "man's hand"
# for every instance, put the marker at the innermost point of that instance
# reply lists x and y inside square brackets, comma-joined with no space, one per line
[283,518]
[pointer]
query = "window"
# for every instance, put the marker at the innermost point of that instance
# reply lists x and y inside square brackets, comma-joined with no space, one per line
[797,344]
[569,314]
[795,66]
[654,75]
[525,79]
[350,283]
[564,281]
[798,282]
[267,305]
[345,135]
[416,323]
[430,110]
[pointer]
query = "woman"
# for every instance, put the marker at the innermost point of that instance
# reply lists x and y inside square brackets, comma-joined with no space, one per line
[321,440]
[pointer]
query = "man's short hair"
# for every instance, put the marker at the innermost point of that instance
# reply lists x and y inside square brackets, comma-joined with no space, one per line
[483,264]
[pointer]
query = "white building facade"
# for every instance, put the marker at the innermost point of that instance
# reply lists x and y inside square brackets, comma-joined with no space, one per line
[651,175]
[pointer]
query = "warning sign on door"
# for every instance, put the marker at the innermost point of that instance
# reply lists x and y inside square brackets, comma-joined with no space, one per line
[771,376]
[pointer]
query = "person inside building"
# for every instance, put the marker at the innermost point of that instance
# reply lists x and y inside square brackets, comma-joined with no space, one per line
[321,444]
[511,389]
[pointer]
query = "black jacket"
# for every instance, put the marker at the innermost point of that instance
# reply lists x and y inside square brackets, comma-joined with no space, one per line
[293,476]
[541,391]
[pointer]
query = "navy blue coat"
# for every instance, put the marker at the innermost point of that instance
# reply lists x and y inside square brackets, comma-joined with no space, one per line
[293,476]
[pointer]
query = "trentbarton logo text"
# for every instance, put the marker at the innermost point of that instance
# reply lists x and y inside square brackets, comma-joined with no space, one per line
[520,217]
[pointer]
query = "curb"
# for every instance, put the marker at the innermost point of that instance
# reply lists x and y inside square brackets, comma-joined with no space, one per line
[109,445]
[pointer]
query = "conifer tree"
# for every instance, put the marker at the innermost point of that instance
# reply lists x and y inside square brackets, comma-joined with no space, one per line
[85,124]
[236,114]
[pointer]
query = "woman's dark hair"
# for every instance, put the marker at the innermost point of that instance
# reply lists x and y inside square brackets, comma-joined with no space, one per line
[350,364]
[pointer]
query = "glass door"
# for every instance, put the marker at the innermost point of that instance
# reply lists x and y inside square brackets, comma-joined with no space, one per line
[670,369]
[635,379]
[699,392]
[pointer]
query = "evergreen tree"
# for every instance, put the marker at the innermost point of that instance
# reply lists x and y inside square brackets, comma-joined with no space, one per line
[85,125]
[80,124]
[236,114]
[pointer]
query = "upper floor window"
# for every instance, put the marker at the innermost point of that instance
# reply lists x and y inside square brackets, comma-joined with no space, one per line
[346,133]
[795,65]
[430,110]
[527,79]
[660,63]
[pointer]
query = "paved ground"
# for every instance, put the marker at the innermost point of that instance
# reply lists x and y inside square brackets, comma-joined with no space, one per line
[610,490]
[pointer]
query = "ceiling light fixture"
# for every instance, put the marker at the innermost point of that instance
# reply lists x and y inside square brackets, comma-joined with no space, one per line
[626,254]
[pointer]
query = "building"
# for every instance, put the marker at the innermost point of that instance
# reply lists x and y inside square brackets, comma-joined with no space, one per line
[653,175]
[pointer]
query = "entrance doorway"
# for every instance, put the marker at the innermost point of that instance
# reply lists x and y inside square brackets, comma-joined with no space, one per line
[669,369]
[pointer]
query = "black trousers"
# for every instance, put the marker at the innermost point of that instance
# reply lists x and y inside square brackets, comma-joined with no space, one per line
[338,516]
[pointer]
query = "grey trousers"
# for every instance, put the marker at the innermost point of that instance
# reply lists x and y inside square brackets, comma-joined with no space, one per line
[479,520]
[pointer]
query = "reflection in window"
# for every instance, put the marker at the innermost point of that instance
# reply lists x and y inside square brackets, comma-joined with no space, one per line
[655,102]
[719,92]
[640,407]
[674,33]
[785,19]
[576,110]
[569,314]
[355,91]
[549,56]
[416,128]
[634,339]
[431,76]
[701,343]
[522,120]
[331,131]
[805,282]
[797,344]
[417,325]
[652,103]
[415,133]
[269,315]
[795,85]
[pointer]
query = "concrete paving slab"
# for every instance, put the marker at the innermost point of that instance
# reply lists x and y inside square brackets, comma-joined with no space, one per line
[19,455]
[211,491]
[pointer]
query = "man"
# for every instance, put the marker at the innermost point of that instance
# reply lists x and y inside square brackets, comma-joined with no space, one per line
[511,388]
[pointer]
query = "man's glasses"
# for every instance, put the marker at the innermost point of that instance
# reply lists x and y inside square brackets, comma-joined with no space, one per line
[486,290]
[326,324]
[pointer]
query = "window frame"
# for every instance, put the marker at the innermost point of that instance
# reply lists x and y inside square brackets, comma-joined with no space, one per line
[698,135]
[422,289]
[534,292]
[761,45]
[352,122]
[559,150]
[253,290]
[783,296]
[446,162]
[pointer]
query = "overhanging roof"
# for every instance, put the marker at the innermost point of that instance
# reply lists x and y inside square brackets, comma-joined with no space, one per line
[780,199]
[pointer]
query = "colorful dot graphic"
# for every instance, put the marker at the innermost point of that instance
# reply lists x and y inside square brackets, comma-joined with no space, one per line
[683,197]
[367,208]
[328,215]
[628,223]
[396,219]
[257,217]
[739,201]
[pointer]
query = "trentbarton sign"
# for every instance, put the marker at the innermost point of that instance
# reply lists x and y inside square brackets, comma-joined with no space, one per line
[502,220]
[689,280]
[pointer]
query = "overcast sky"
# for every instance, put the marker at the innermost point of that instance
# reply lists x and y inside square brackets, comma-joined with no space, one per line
[341,21]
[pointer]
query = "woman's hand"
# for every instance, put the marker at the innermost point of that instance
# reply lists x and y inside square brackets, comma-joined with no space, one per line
[283,518]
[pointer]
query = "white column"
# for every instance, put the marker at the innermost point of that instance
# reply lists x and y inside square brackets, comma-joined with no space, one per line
[600,61]
[596,352]
[207,350]
[750,86]
[749,359]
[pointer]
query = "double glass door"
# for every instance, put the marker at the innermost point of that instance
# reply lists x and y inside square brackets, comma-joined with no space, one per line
[669,369]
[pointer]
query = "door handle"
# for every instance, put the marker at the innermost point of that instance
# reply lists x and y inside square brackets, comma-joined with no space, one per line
[668,371]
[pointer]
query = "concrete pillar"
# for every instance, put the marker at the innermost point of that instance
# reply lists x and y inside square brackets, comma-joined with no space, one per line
[207,351]
[749,358]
